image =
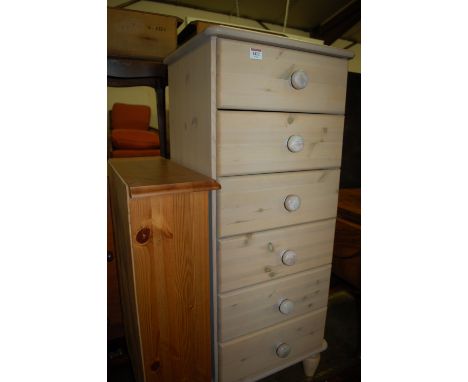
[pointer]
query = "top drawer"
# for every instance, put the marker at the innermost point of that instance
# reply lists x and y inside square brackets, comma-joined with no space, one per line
[265,83]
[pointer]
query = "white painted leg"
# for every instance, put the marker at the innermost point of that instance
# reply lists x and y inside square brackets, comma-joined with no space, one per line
[310,365]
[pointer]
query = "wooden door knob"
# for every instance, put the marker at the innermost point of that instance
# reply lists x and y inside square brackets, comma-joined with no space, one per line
[283,350]
[299,79]
[288,257]
[286,306]
[292,202]
[295,143]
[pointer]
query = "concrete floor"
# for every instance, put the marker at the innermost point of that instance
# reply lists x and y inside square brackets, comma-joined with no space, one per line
[339,363]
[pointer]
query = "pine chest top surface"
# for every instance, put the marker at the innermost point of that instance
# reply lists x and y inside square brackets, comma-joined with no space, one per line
[156,175]
[239,34]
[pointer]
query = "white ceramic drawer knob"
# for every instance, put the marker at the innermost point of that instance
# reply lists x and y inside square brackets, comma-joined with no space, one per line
[286,306]
[283,350]
[299,79]
[288,257]
[292,202]
[295,143]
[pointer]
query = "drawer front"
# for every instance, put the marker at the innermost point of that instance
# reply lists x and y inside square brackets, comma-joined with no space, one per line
[252,354]
[262,256]
[249,309]
[254,142]
[259,202]
[244,83]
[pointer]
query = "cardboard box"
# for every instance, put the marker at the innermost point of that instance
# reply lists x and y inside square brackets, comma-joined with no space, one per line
[137,34]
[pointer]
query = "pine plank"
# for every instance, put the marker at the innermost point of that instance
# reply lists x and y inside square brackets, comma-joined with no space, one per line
[246,84]
[252,258]
[255,142]
[256,202]
[253,354]
[253,308]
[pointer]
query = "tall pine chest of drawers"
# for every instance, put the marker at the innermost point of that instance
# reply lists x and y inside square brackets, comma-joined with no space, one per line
[263,115]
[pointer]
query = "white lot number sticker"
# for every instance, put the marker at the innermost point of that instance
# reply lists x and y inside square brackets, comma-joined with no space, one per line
[256,54]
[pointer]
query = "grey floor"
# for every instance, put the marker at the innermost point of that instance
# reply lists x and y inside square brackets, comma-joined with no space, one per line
[339,363]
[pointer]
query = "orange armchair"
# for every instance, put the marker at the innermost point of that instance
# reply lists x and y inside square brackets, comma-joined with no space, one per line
[131,135]
[130,73]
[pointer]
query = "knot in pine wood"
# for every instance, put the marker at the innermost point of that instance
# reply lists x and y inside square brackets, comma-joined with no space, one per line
[155,365]
[143,235]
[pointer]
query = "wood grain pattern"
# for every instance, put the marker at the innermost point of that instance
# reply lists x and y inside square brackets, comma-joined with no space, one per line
[114,310]
[193,133]
[253,354]
[256,202]
[249,259]
[164,263]
[246,84]
[121,224]
[349,204]
[347,252]
[256,142]
[172,286]
[347,239]
[249,309]
[150,175]
[140,34]
[215,89]
[193,129]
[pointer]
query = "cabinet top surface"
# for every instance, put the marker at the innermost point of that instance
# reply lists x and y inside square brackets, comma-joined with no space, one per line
[156,175]
[255,37]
